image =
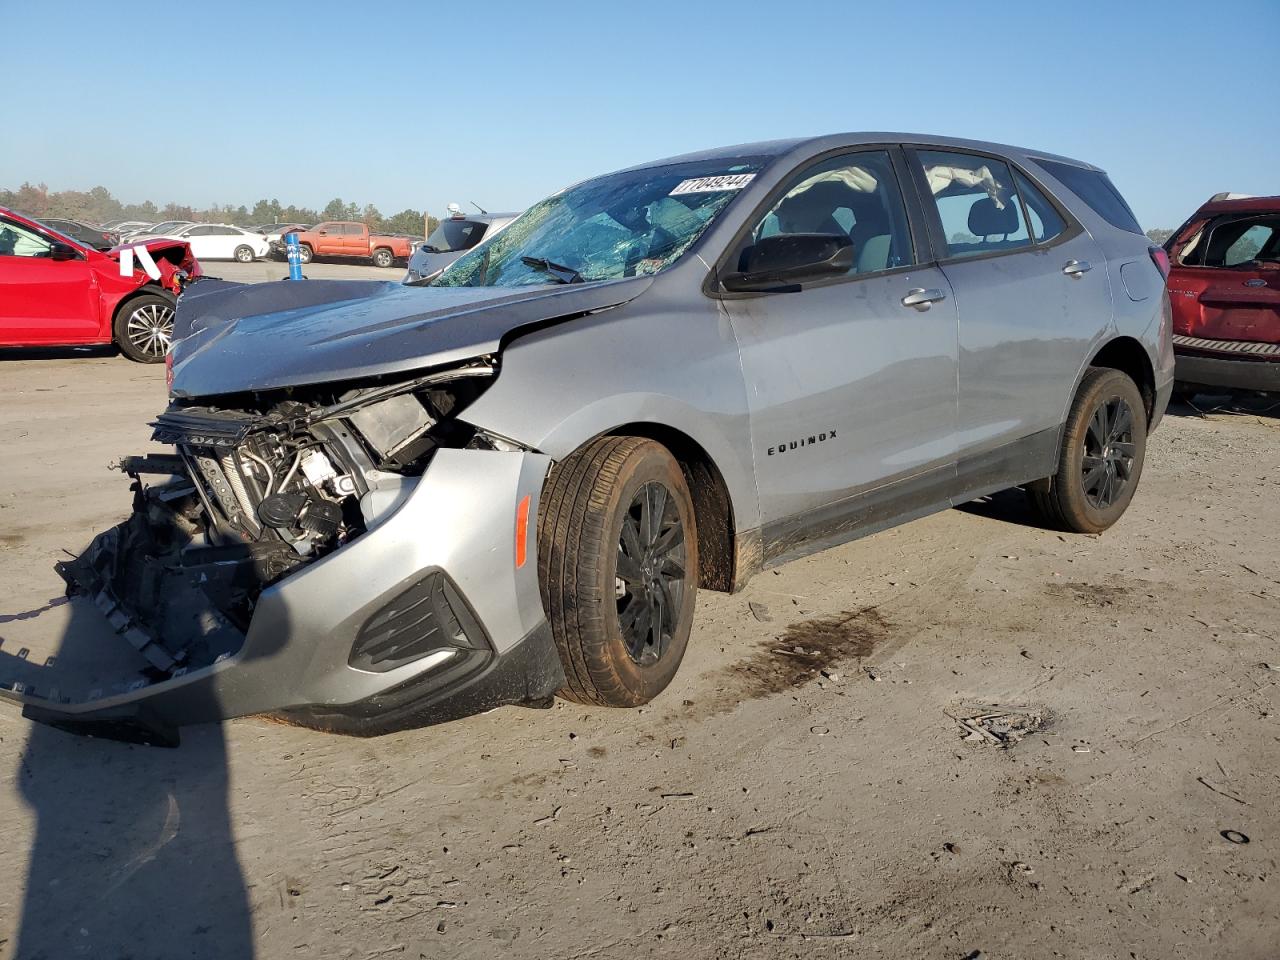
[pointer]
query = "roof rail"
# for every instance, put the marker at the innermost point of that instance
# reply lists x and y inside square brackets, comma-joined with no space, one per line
[1225,195]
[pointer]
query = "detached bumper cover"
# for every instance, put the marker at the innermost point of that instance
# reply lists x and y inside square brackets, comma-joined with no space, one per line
[296,657]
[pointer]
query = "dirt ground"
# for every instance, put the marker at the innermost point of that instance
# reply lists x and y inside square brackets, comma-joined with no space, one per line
[804,789]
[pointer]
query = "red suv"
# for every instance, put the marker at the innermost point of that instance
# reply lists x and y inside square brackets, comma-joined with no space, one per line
[56,291]
[1224,284]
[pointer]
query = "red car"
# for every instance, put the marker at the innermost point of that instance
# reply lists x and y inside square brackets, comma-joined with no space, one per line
[1224,284]
[56,291]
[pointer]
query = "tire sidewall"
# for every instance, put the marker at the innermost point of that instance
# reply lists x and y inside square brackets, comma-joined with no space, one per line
[1106,385]
[651,463]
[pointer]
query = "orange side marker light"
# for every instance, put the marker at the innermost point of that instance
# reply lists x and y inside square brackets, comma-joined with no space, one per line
[522,532]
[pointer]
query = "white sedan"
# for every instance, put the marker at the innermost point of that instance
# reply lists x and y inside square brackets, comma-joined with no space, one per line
[221,241]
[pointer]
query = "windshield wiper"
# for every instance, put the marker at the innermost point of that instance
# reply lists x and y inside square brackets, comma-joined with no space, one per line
[557,271]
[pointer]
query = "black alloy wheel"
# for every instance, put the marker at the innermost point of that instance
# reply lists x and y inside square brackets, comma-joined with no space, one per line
[1107,463]
[650,573]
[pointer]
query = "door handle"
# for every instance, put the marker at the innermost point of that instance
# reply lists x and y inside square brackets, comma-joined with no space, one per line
[1076,268]
[923,299]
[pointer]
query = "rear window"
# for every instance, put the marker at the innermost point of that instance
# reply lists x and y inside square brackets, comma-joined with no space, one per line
[453,235]
[1097,190]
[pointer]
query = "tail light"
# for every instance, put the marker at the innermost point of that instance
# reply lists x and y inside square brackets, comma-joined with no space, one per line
[1161,259]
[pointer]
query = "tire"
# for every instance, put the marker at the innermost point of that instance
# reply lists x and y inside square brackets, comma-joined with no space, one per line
[143,328]
[382,257]
[1101,458]
[244,254]
[304,253]
[602,623]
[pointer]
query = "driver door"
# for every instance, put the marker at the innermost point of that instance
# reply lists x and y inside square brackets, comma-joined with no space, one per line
[42,300]
[851,380]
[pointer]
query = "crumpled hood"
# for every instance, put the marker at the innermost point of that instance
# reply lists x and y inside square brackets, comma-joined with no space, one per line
[231,338]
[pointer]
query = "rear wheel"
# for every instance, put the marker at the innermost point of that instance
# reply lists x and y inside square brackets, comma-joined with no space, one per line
[1104,444]
[144,328]
[617,562]
[382,257]
[244,254]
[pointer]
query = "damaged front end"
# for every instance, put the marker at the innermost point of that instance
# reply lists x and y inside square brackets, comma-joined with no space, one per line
[259,572]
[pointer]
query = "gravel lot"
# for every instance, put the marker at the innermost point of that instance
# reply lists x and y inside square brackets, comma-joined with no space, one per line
[770,804]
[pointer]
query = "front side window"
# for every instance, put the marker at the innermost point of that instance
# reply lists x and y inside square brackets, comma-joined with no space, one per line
[977,203]
[625,224]
[855,196]
[19,241]
[1240,243]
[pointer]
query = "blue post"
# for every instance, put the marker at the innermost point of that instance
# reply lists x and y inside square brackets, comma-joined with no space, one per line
[295,256]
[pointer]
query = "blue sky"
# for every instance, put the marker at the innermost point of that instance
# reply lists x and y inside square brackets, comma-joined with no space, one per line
[417,105]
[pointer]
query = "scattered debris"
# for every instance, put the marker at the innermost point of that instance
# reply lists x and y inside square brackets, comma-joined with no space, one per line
[760,611]
[545,821]
[1221,791]
[1234,836]
[677,796]
[820,730]
[1002,725]
[1081,748]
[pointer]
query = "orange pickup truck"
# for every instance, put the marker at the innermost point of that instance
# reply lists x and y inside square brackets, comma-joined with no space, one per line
[343,238]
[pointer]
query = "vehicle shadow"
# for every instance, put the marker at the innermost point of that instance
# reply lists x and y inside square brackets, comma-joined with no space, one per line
[1205,404]
[1008,506]
[133,854]
[57,353]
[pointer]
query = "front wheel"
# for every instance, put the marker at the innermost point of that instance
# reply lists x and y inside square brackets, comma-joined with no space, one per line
[1104,443]
[304,253]
[244,254]
[144,328]
[617,563]
[382,258]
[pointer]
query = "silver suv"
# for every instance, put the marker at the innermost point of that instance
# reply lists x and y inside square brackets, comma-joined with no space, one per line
[389,505]
[451,238]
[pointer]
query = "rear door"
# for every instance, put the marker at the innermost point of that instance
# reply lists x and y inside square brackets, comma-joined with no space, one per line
[43,301]
[1032,300]
[851,389]
[1226,280]
[355,240]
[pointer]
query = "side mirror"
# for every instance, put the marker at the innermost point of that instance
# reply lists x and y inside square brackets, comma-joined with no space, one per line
[63,251]
[790,259]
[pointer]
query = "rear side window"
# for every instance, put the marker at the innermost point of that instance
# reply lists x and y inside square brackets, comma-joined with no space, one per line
[1046,222]
[1237,243]
[1096,189]
[976,201]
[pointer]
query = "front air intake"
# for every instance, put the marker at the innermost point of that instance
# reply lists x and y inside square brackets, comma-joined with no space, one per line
[429,616]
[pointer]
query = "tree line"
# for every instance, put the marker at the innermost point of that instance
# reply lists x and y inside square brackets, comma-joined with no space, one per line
[98,206]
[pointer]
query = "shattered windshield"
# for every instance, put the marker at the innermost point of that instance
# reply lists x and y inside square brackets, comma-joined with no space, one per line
[622,225]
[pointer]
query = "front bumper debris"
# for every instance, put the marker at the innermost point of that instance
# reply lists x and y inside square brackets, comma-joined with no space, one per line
[485,644]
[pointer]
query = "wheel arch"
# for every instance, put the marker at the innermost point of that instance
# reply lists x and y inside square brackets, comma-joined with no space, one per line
[718,562]
[146,290]
[1130,357]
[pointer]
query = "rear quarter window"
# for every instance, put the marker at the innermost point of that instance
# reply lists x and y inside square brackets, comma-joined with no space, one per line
[1096,189]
